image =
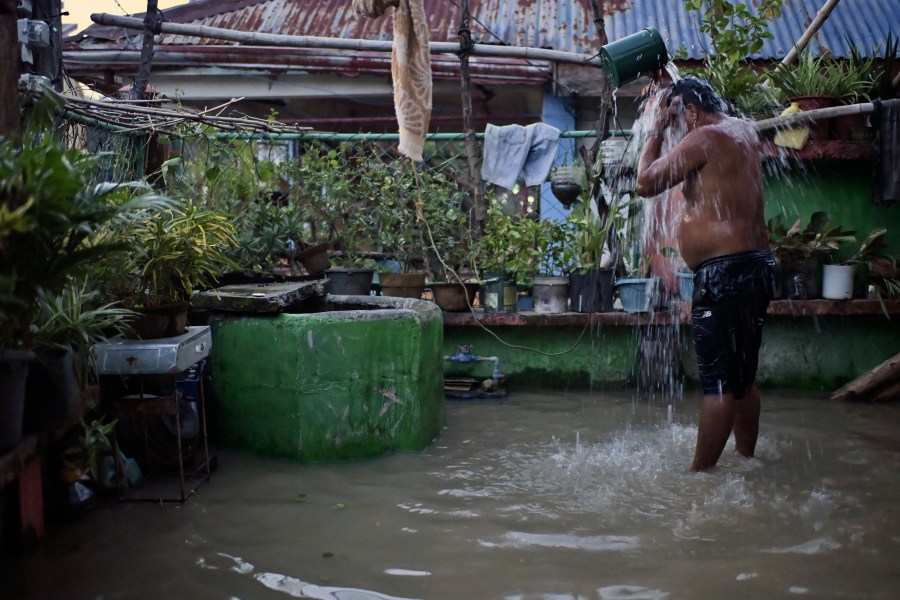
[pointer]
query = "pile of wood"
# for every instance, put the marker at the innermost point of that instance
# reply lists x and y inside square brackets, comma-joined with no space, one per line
[878,385]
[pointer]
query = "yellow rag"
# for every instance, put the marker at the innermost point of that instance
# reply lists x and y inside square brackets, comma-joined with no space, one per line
[795,137]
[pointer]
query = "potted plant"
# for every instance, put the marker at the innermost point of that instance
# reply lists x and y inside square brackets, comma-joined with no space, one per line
[50,215]
[397,195]
[865,78]
[869,267]
[507,257]
[637,288]
[82,460]
[450,247]
[799,251]
[260,196]
[66,326]
[567,182]
[268,235]
[172,252]
[550,288]
[591,254]
[813,83]
[338,189]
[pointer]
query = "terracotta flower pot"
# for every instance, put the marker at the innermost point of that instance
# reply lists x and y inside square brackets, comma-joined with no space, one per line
[454,297]
[402,285]
[315,258]
[162,321]
[818,130]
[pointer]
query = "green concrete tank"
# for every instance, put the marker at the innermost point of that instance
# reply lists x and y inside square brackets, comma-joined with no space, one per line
[361,378]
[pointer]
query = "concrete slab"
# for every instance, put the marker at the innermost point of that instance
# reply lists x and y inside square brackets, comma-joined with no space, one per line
[260,297]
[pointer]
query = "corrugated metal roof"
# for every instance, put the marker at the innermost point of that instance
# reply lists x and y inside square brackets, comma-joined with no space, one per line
[559,24]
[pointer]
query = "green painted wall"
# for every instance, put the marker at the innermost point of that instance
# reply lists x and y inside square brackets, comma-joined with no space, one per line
[840,188]
[332,385]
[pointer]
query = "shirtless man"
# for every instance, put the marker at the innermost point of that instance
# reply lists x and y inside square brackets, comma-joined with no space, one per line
[722,238]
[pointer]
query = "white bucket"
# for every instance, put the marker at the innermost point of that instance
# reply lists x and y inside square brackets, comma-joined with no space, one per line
[551,295]
[837,282]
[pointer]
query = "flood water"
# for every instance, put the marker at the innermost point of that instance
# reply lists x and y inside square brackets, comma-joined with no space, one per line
[539,496]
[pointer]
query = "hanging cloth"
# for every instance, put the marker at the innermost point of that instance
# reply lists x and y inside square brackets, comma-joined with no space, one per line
[514,150]
[410,69]
[886,122]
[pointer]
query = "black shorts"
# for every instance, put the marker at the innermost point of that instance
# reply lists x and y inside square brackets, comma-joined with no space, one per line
[731,295]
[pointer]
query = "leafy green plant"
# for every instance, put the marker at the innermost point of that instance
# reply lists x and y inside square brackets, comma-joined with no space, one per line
[875,265]
[758,101]
[553,240]
[171,252]
[81,461]
[51,218]
[591,235]
[264,230]
[509,245]
[736,33]
[338,192]
[814,76]
[449,247]
[818,239]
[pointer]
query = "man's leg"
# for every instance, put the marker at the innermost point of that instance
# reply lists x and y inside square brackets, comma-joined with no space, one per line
[746,422]
[716,419]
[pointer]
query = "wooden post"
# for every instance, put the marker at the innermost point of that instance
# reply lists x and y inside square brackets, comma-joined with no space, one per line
[10,120]
[465,43]
[871,383]
[151,28]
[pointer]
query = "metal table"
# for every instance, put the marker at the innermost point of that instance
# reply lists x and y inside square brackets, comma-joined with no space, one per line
[158,357]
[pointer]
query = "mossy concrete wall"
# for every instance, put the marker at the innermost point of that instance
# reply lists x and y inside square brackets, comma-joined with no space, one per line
[826,351]
[813,353]
[361,379]
[548,357]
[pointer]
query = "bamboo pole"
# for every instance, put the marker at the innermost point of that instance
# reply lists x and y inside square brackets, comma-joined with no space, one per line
[809,116]
[813,28]
[305,41]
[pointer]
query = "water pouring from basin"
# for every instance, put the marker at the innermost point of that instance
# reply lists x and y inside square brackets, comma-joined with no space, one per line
[625,59]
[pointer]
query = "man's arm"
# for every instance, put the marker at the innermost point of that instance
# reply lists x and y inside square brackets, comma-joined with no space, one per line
[657,174]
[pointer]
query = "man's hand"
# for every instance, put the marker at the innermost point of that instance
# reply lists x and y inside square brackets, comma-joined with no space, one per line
[666,115]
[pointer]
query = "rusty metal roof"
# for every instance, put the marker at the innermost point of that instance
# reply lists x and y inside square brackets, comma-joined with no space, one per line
[559,24]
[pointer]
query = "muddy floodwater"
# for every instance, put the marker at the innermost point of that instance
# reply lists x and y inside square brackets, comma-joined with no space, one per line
[540,496]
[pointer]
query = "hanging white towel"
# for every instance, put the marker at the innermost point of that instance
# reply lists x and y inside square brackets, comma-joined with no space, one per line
[513,150]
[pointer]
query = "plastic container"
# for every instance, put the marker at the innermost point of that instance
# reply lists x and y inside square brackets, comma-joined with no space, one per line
[625,59]
[551,295]
[591,291]
[638,295]
[685,285]
[498,293]
[837,282]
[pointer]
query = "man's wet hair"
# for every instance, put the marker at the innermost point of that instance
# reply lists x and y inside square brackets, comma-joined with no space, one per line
[697,92]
